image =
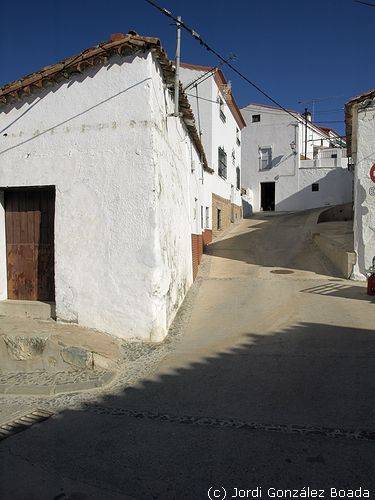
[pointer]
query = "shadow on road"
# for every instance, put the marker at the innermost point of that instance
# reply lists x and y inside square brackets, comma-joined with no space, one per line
[340,290]
[283,240]
[173,436]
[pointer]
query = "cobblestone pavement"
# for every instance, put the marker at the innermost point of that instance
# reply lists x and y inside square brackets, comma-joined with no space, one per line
[45,383]
[263,381]
[140,360]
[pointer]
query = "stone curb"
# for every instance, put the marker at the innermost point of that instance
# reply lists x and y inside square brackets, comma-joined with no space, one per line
[55,389]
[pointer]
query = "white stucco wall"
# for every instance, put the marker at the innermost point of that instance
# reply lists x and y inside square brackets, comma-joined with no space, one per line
[293,181]
[364,203]
[179,192]
[118,226]
[277,130]
[215,134]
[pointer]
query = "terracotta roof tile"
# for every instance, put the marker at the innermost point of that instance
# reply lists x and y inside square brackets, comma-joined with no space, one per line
[119,44]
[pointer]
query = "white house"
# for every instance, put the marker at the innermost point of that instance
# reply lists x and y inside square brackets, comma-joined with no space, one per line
[360,130]
[101,189]
[286,169]
[219,123]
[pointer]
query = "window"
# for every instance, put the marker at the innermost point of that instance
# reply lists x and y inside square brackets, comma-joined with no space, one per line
[233,156]
[207,217]
[315,187]
[221,108]
[222,166]
[201,217]
[218,218]
[238,141]
[334,155]
[238,177]
[255,118]
[265,158]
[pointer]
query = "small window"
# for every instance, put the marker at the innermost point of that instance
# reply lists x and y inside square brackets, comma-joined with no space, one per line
[265,158]
[334,155]
[255,118]
[315,187]
[218,218]
[238,141]
[207,217]
[238,177]
[222,163]
[202,217]
[221,108]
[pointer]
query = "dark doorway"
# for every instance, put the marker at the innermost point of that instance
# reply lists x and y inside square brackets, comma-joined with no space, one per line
[267,196]
[29,223]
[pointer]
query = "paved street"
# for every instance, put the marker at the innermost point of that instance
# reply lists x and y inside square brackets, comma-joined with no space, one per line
[267,381]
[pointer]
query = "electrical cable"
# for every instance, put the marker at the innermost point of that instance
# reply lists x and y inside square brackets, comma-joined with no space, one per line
[196,35]
[204,44]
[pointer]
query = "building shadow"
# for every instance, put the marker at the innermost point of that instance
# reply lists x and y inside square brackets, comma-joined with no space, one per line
[341,290]
[276,240]
[295,408]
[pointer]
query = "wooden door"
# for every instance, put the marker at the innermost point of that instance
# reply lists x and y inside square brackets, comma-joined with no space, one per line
[29,223]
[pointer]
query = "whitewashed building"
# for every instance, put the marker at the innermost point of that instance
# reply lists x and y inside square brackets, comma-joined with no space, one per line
[283,171]
[219,123]
[101,189]
[360,130]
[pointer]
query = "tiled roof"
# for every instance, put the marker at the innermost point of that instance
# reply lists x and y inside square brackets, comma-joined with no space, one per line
[119,44]
[221,82]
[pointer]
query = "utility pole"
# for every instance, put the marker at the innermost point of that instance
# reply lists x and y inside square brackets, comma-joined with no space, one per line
[305,133]
[177,75]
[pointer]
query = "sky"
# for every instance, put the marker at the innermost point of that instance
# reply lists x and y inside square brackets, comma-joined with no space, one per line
[296,50]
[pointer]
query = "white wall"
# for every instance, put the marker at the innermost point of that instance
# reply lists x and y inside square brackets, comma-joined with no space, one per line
[178,196]
[224,135]
[276,129]
[335,188]
[293,181]
[364,203]
[94,138]
[215,133]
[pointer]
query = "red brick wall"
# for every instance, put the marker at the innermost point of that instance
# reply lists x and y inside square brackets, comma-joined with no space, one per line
[207,236]
[197,250]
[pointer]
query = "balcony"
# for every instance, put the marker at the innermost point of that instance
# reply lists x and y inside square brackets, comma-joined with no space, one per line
[326,158]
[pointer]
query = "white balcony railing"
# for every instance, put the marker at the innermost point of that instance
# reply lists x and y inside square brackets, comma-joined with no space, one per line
[327,158]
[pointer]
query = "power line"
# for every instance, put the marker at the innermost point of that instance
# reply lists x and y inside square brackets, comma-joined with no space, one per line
[325,111]
[204,44]
[332,121]
[320,99]
[206,75]
[365,3]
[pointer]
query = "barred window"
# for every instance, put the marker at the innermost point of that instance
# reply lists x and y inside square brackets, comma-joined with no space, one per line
[222,163]
[265,158]
[238,177]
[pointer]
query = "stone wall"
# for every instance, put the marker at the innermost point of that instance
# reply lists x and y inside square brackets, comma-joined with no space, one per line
[229,212]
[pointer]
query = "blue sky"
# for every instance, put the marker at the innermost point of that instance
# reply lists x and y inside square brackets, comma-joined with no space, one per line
[294,49]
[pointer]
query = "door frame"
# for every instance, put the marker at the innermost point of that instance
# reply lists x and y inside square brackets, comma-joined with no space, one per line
[274,195]
[3,242]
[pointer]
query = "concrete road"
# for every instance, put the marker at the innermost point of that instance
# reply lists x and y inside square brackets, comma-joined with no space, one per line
[271,385]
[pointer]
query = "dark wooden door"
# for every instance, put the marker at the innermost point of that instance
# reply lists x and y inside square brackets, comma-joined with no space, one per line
[29,222]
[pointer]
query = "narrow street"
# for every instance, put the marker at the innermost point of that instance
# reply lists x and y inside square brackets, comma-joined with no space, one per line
[270,383]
